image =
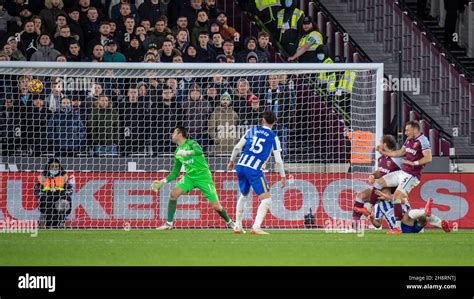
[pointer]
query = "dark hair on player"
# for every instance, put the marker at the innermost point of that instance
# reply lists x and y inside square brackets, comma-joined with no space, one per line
[390,141]
[182,130]
[269,117]
[414,124]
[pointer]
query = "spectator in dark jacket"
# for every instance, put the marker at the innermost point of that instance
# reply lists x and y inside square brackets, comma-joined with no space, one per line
[251,45]
[150,10]
[74,52]
[166,115]
[28,39]
[4,19]
[49,14]
[75,25]
[134,118]
[66,131]
[134,52]
[46,51]
[63,40]
[205,52]
[37,132]
[103,126]
[201,24]
[197,110]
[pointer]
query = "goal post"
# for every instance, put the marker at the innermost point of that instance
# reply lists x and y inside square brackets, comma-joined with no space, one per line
[110,124]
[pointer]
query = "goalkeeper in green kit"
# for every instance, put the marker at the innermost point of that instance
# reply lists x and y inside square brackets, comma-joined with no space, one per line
[198,175]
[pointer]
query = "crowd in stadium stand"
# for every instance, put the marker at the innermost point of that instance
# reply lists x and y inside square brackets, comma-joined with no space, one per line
[122,116]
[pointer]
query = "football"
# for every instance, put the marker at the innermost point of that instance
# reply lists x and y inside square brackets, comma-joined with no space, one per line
[35,86]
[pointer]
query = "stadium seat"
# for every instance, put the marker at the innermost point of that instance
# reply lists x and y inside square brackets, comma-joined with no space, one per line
[339,44]
[393,105]
[414,115]
[434,141]
[386,109]
[330,34]
[406,112]
[425,127]
[348,52]
[444,147]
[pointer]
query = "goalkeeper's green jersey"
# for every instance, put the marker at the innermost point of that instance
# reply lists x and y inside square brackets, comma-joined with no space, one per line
[195,164]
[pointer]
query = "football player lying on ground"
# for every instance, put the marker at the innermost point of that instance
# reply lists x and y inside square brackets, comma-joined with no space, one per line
[385,165]
[413,221]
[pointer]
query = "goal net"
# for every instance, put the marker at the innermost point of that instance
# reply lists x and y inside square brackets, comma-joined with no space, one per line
[109,126]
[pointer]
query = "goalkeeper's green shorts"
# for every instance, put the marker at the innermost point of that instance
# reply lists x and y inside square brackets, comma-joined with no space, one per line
[206,185]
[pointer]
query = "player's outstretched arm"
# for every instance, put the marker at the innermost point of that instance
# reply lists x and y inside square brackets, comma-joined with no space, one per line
[175,170]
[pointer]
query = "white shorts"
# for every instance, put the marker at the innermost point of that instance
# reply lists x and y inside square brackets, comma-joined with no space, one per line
[404,182]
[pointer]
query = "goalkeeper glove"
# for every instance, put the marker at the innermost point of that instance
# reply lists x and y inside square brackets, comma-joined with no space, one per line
[158,184]
[184,153]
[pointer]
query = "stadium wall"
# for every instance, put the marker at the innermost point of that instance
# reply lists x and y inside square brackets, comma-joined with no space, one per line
[123,199]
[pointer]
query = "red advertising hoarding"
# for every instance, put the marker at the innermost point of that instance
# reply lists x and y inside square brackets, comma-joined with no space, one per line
[117,200]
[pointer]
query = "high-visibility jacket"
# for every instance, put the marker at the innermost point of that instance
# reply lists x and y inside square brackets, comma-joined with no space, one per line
[315,38]
[328,77]
[346,83]
[265,4]
[361,146]
[57,183]
[295,17]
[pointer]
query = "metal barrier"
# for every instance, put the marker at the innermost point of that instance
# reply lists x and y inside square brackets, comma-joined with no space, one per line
[447,87]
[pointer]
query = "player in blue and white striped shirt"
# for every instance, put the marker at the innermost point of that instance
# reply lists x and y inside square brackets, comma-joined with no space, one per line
[413,221]
[256,145]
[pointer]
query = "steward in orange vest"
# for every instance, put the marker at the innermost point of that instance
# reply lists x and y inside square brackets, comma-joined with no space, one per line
[53,190]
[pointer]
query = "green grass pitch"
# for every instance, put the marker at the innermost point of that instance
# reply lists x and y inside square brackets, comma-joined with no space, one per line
[222,247]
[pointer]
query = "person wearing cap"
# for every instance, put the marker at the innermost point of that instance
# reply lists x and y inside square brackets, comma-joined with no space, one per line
[46,51]
[223,126]
[11,49]
[308,43]
[252,57]
[111,53]
[221,58]
[250,45]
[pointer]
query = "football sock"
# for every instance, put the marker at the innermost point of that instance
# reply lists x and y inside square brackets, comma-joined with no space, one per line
[171,209]
[416,213]
[239,214]
[434,220]
[224,215]
[261,212]
[357,204]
